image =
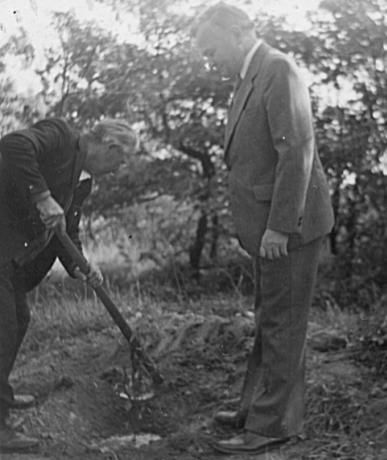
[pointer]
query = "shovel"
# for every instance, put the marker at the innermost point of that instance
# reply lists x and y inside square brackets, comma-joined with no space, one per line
[139,357]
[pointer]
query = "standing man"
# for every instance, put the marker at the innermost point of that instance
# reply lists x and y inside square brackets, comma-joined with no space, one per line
[281,208]
[42,189]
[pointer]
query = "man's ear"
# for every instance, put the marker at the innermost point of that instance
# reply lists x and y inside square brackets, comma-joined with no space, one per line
[237,33]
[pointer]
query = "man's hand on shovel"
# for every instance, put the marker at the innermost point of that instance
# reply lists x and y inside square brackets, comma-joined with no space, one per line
[94,277]
[51,214]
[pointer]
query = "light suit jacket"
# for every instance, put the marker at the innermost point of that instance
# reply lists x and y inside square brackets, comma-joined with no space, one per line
[276,179]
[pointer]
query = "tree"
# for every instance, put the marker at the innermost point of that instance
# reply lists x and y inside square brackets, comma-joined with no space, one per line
[160,86]
[15,109]
[345,53]
[352,136]
[158,89]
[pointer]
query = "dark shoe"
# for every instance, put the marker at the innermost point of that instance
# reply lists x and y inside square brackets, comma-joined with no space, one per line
[232,418]
[23,402]
[12,441]
[247,443]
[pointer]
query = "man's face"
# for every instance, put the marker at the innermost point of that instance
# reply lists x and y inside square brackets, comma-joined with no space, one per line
[221,49]
[107,157]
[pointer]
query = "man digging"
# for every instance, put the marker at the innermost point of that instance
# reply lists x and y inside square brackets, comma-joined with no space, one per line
[45,175]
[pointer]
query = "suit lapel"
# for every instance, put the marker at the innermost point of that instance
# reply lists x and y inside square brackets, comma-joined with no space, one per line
[242,95]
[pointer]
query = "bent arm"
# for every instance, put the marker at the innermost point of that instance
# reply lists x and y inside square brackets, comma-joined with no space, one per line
[24,153]
[21,156]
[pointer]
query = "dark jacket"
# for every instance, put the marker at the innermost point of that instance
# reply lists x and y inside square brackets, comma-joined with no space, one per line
[43,159]
[32,272]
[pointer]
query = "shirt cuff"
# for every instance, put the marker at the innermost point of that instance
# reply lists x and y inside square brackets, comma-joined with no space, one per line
[40,196]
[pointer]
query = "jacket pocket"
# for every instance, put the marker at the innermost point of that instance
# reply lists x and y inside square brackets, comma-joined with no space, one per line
[263,192]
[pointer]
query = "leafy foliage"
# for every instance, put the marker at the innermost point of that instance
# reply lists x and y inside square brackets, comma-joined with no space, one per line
[159,84]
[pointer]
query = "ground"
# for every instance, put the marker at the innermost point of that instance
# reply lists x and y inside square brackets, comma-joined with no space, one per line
[81,377]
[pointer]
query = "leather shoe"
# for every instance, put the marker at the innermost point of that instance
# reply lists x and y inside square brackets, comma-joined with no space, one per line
[12,441]
[232,418]
[247,443]
[22,402]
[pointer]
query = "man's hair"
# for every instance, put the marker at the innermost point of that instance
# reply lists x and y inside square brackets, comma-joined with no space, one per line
[115,130]
[224,16]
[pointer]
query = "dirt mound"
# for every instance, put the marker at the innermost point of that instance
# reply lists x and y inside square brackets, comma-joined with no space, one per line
[85,412]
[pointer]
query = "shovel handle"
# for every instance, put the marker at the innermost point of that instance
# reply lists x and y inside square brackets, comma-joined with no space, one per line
[114,312]
[73,252]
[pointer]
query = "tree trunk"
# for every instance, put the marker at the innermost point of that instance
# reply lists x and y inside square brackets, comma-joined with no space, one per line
[352,230]
[336,207]
[195,251]
[214,236]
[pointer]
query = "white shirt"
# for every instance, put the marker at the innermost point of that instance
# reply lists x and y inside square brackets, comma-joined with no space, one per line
[84,175]
[248,58]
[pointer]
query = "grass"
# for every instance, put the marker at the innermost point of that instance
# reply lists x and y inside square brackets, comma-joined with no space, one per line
[336,411]
[169,302]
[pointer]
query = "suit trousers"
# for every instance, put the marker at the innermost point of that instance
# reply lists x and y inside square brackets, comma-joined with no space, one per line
[14,320]
[273,390]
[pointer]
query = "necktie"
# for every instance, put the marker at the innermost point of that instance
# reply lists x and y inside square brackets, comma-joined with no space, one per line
[237,84]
